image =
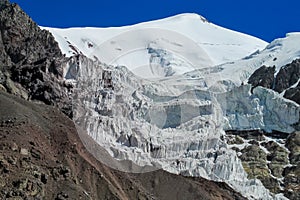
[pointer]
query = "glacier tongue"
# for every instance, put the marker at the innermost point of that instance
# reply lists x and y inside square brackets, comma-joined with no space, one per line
[173,125]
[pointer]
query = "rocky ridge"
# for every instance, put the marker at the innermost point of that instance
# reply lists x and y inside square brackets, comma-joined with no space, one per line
[30,64]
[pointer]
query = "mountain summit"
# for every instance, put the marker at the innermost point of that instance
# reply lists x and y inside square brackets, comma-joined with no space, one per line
[161,48]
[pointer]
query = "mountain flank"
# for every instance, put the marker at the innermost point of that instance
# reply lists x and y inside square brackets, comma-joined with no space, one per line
[41,154]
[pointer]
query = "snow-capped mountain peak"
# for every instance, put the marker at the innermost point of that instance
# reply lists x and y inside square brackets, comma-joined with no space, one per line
[163,93]
[160,48]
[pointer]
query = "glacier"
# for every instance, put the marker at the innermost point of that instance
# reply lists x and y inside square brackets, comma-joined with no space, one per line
[163,93]
[181,133]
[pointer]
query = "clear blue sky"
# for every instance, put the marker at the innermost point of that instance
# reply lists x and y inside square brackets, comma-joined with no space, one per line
[261,18]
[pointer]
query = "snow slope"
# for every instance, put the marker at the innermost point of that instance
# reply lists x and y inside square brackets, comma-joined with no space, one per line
[278,53]
[226,76]
[166,47]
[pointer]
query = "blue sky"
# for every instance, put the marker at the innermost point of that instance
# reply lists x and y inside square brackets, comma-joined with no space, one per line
[261,18]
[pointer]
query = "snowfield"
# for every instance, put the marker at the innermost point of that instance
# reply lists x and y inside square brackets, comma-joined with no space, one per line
[166,47]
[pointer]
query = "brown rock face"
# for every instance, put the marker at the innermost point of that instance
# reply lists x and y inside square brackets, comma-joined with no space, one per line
[293,94]
[292,174]
[287,76]
[23,41]
[30,60]
[293,144]
[277,167]
[264,76]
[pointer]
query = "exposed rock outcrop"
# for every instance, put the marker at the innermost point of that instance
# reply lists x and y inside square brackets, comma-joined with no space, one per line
[293,94]
[264,76]
[292,173]
[283,164]
[271,157]
[255,163]
[284,80]
[30,59]
[293,144]
[287,76]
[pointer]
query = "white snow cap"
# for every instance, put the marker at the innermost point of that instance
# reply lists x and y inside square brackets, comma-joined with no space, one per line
[160,48]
